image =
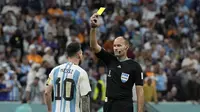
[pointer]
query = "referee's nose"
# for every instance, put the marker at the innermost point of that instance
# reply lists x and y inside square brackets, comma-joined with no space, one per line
[115,47]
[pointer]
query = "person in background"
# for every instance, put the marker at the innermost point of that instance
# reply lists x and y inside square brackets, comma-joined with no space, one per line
[33,56]
[100,89]
[49,56]
[161,84]
[150,91]
[34,92]
[24,67]
[16,92]
[4,91]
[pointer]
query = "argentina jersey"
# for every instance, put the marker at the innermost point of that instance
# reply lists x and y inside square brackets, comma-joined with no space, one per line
[69,82]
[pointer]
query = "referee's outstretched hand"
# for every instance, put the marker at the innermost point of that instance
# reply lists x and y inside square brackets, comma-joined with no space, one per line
[94,20]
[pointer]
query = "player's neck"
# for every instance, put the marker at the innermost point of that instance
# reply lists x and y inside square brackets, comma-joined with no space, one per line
[74,60]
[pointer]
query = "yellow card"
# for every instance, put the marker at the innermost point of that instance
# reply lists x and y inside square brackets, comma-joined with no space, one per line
[101,10]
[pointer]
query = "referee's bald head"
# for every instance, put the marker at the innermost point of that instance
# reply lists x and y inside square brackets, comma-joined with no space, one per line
[122,39]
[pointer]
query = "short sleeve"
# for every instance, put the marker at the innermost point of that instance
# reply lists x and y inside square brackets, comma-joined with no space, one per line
[105,56]
[84,85]
[50,78]
[139,75]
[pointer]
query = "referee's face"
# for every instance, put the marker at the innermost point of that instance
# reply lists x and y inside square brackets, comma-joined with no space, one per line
[119,46]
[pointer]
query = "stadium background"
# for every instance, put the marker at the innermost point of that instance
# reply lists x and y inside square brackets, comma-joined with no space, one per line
[164,38]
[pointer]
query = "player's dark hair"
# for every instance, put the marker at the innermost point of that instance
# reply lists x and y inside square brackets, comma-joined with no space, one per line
[73,48]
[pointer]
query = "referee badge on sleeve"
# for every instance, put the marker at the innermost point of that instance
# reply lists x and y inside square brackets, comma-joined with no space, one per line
[124,77]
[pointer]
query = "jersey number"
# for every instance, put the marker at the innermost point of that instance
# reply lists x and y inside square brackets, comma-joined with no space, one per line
[68,89]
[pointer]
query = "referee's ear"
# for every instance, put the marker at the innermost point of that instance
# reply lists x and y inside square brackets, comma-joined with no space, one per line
[127,47]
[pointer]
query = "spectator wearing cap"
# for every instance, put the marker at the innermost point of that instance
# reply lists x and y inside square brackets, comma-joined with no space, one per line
[49,57]
[33,56]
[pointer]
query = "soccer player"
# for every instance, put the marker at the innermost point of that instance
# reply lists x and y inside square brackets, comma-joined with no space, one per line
[123,73]
[70,84]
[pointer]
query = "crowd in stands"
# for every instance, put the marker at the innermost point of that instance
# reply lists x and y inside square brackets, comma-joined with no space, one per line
[164,37]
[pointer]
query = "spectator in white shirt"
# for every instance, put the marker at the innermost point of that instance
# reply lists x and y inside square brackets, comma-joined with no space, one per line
[8,30]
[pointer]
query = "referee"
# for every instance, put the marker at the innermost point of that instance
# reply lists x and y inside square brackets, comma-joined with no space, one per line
[123,73]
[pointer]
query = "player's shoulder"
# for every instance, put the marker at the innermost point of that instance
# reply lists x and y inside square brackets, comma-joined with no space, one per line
[79,69]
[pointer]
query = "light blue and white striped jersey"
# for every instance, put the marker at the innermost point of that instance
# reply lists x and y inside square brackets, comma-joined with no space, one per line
[70,82]
[14,94]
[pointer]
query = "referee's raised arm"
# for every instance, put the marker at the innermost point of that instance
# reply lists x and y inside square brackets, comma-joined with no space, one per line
[93,41]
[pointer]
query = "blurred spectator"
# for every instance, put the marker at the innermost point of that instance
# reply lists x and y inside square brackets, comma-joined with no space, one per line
[51,42]
[34,92]
[33,56]
[11,7]
[161,84]
[35,5]
[100,89]
[150,93]
[4,90]
[16,92]
[24,70]
[99,92]
[49,57]
[55,11]
[16,43]
[50,28]
[8,30]
[172,94]
[32,73]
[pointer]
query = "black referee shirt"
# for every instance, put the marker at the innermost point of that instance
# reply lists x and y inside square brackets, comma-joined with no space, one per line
[121,76]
